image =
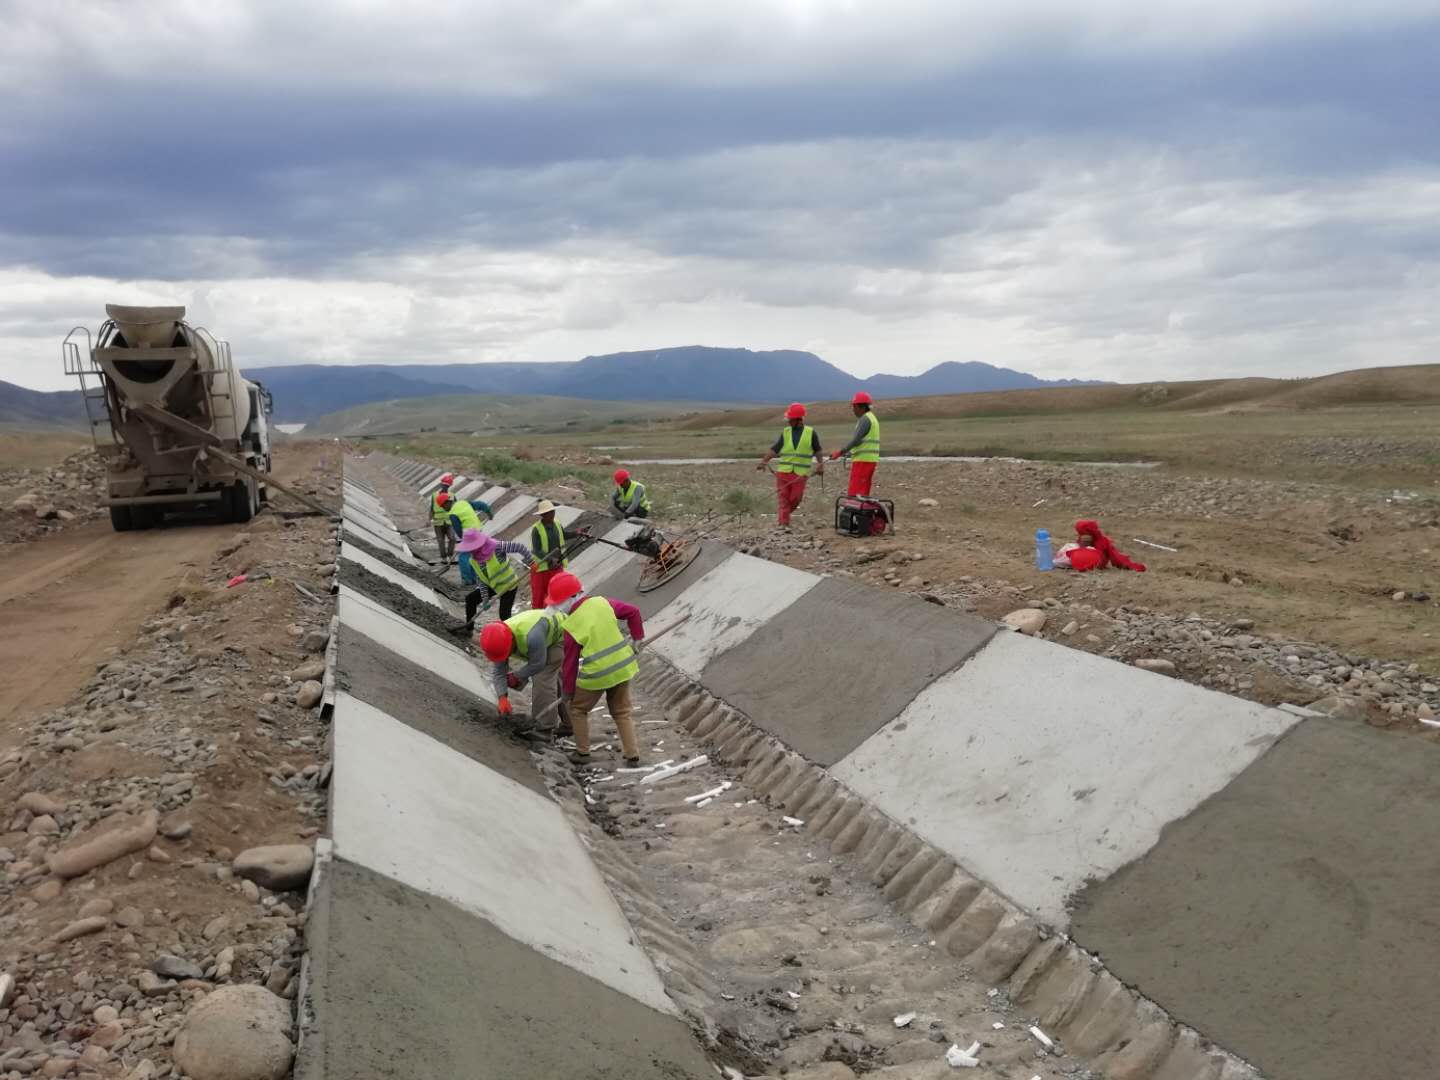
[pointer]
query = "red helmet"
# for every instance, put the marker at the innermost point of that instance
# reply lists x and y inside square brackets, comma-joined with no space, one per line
[496,641]
[448,479]
[862,398]
[622,476]
[562,588]
[795,412]
[444,498]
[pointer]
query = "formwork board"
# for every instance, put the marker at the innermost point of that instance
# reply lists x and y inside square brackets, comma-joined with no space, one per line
[725,606]
[408,807]
[401,636]
[1292,916]
[861,654]
[378,568]
[1041,768]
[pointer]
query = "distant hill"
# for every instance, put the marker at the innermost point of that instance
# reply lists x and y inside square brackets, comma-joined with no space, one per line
[501,415]
[58,408]
[693,373]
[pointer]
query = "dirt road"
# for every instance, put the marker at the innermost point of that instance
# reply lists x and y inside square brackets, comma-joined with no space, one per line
[67,600]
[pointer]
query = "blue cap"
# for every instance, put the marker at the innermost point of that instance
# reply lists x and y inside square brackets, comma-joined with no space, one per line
[1042,534]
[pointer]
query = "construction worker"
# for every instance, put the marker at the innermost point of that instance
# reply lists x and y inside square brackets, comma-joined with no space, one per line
[598,661]
[439,517]
[491,571]
[797,452]
[547,542]
[629,500]
[461,515]
[864,445]
[537,638]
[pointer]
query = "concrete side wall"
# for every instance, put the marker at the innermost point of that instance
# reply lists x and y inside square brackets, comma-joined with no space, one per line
[1041,768]
[408,807]
[599,562]
[403,581]
[815,677]
[403,638]
[514,512]
[378,536]
[725,607]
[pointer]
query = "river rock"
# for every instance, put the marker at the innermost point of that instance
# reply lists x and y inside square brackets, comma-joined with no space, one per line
[277,867]
[118,835]
[236,1033]
[39,803]
[44,825]
[315,641]
[1027,621]
[7,989]
[81,927]
[175,967]
[1164,667]
[309,694]
[99,906]
[315,669]
[47,891]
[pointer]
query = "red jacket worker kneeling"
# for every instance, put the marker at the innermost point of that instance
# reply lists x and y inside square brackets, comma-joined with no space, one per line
[1094,551]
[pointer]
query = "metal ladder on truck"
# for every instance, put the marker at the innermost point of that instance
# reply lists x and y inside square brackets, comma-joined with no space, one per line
[93,389]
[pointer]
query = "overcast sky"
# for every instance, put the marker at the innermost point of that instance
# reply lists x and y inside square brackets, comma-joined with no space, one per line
[1111,189]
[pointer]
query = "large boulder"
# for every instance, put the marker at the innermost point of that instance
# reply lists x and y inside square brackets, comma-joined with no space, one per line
[236,1033]
[278,867]
[118,835]
[1027,621]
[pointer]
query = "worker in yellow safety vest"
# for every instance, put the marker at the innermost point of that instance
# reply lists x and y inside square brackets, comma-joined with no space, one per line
[440,518]
[629,499]
[864,445]
[537,638]
[599,661]
[462,515]
[547,546]
[491,570]
[795,453]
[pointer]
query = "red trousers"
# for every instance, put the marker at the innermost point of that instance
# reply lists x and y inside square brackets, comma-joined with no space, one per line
[789,490]
[862,475]
[540,585]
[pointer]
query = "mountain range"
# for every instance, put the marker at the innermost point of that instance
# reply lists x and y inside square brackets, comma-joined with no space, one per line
[691,373]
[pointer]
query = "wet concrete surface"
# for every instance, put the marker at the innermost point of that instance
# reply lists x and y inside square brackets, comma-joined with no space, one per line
[423,615]
[1292,917]
[434,706]
[814,676]
[409,985]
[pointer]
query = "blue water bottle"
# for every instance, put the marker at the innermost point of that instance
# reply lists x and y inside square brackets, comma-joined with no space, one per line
[1044,558]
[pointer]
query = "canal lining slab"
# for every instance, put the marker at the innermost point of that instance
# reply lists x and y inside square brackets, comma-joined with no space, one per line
[1041,768]
[447,714]
[373,565]
[399,635]
[411,808]
[852,684]
[726,605]
[1308,881]
[405,984]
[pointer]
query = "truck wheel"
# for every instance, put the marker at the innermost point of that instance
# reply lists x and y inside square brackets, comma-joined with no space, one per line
[242,504]
[144,517]
[120,518]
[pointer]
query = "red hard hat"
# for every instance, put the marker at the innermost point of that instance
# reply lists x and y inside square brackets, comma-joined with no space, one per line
[622,476]
[496,641]
[448,478]
[862,398]
[562,588]
[795,412]
[444,498]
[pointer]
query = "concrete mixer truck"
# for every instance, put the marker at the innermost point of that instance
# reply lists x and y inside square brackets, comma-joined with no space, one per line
[178,426]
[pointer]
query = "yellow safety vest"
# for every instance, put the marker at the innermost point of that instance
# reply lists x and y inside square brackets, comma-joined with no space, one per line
[623,495]
[438,514]
[521,625]
[540,543]
[469,519]
[497,572]
[869,447]
[796,455]
[606,656]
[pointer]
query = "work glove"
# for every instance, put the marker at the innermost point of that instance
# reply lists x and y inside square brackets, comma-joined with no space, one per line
[835,456]
[504,706]
[512,681]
